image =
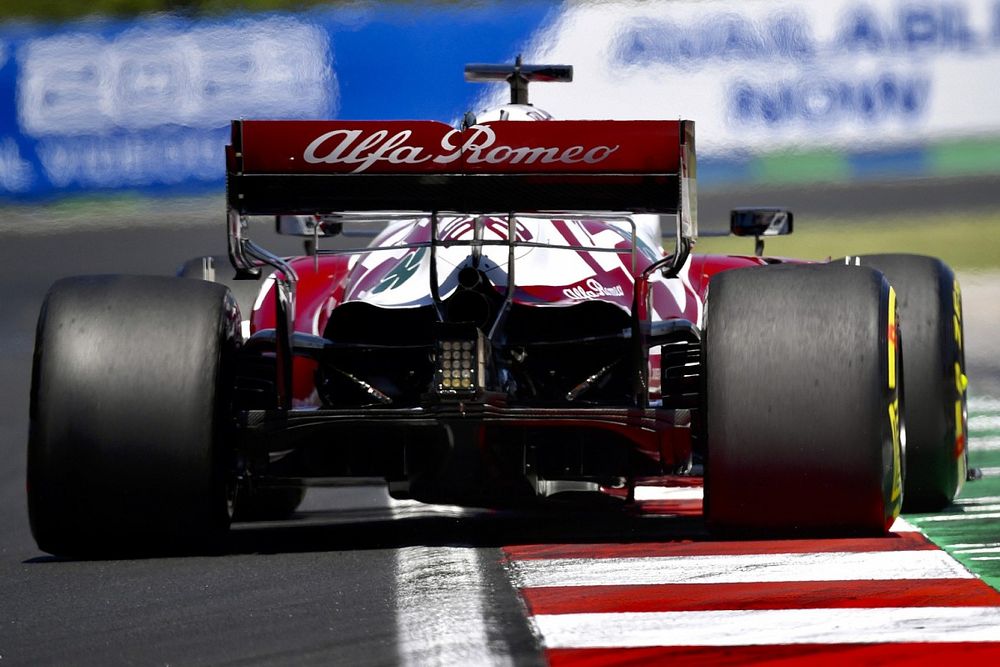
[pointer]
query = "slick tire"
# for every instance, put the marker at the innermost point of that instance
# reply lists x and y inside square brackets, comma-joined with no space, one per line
[802,390]
[930,311]
[127,446]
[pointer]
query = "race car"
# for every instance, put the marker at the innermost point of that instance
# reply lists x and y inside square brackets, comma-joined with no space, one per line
[513,332]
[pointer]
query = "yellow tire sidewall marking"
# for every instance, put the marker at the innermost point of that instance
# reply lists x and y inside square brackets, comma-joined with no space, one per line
[893,337]
[961,381]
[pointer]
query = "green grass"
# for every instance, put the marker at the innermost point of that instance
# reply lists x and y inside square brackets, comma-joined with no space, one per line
[967,241]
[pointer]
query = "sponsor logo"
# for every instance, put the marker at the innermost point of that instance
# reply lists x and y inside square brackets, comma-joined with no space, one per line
[401,272]
[592,289]
[355,147]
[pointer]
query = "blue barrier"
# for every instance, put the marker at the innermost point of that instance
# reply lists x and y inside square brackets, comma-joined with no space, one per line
[145,104]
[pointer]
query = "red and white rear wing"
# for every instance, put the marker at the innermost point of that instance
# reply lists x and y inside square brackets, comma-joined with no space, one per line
[306,167]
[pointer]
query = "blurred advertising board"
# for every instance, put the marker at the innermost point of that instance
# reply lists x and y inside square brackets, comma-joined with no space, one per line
[847,87]
[835,89]
[767,75]
[145,104]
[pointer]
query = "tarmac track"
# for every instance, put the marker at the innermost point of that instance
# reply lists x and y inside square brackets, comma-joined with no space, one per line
[375,582]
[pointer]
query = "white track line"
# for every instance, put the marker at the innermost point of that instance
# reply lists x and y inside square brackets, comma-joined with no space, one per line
[988,444]
[441,601]
[969,516]
[669,493]
[984,423]
[981,500]
[984,405]
[838,566]
[771,626]
[440,608]
[901,525]
[972,508]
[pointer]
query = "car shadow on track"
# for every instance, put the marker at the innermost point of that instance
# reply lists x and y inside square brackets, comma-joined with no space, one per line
[367,518]
[360,519]
[413,524]
[481,529]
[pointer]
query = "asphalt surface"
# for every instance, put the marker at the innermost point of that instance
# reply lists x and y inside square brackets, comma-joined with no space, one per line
[359,580]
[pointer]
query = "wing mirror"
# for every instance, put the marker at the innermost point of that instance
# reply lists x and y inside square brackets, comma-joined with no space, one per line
[308,225]
[760,222]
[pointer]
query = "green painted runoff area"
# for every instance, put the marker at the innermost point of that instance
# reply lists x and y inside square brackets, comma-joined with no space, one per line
[967,157]
[963,157]
[970,529]
[801,167]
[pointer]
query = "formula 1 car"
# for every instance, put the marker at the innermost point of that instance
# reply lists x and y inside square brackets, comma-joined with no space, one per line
[514,333]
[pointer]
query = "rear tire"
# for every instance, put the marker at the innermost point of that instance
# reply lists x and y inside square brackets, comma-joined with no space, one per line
[129,415]
[262,504]
[930,310]
[799,393]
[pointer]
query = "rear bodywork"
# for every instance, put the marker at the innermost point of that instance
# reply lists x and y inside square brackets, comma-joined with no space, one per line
[515,329]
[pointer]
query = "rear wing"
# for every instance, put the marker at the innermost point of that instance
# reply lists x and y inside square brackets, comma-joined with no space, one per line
[323,167]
